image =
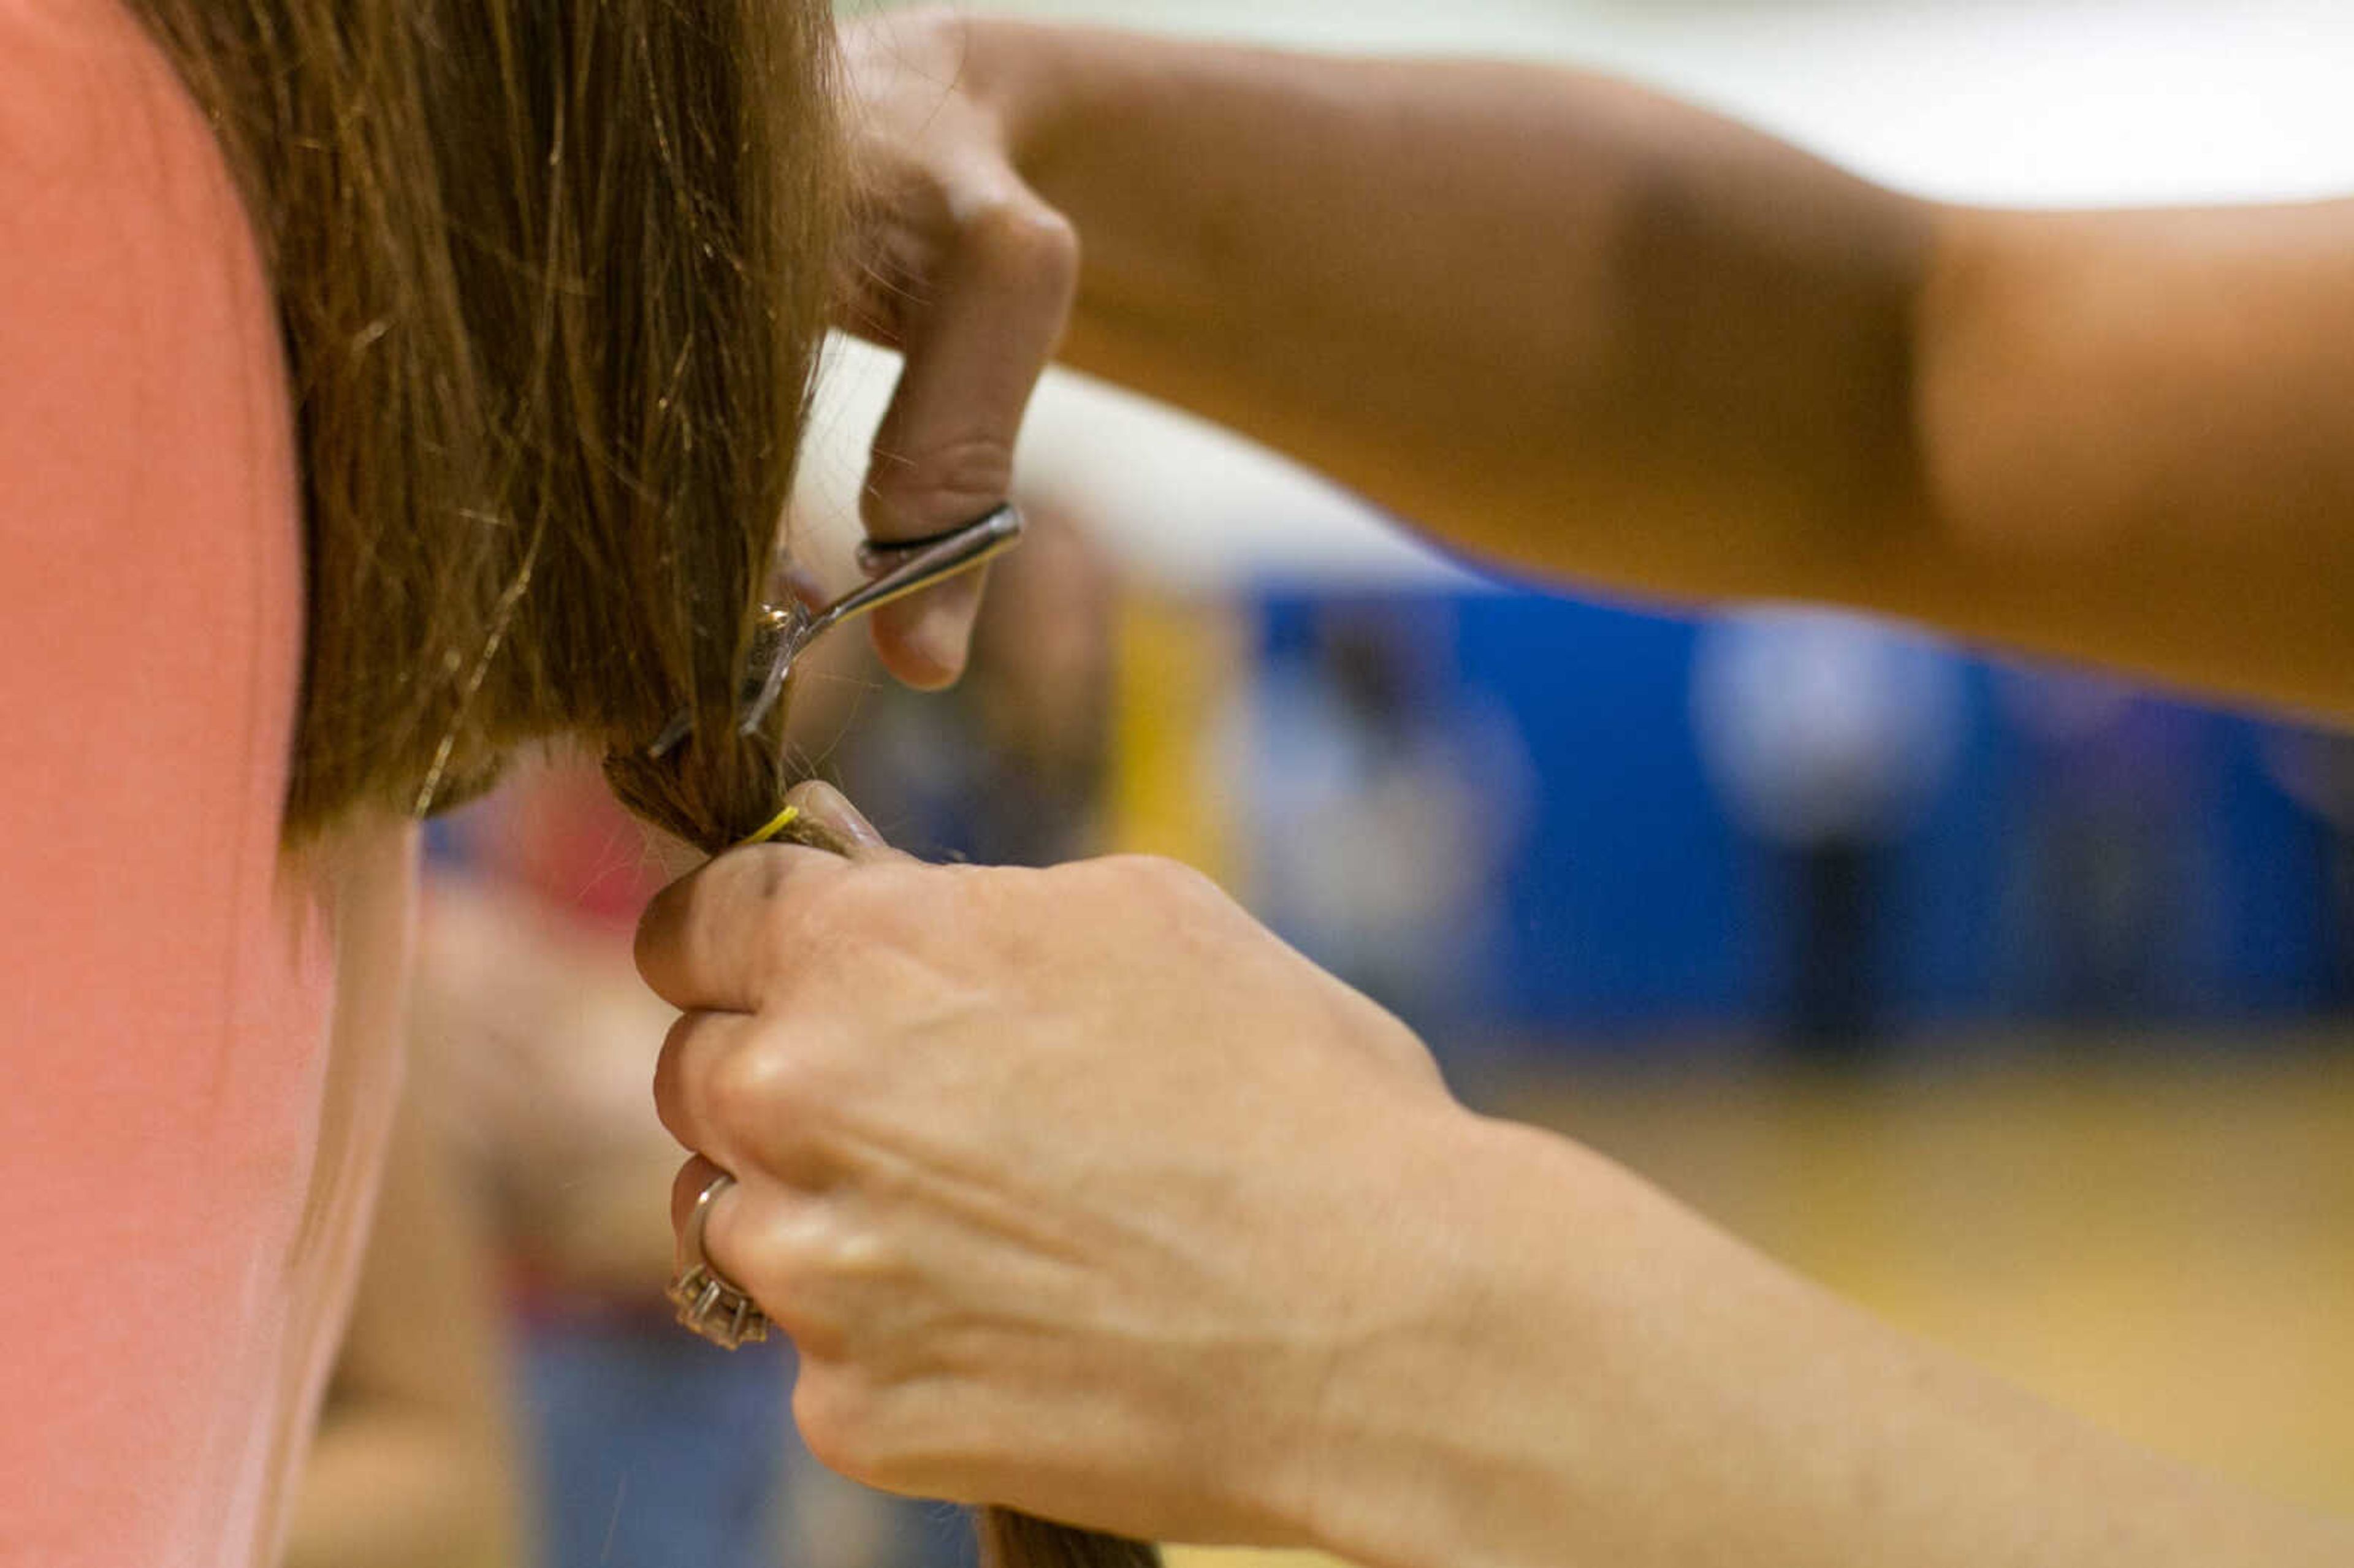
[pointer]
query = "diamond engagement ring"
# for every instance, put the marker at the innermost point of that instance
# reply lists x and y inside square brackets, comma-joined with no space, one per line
[710,1305]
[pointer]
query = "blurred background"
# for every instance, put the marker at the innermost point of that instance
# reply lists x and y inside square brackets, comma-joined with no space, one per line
[2011,1001]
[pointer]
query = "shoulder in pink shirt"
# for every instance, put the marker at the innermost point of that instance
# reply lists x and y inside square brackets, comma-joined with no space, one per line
[195,1101]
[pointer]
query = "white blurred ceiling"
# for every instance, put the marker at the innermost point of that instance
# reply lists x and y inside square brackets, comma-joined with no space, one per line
[2080,102]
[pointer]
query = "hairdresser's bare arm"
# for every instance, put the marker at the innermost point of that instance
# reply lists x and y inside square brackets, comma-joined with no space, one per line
[1585,330]
[1080,1191]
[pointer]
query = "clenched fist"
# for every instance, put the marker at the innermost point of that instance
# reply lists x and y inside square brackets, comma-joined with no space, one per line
[1075,1189]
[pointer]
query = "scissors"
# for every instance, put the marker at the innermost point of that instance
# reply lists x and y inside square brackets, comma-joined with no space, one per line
[785,630]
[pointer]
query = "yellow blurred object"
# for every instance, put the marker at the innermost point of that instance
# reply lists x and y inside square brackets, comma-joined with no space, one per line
[1177,666]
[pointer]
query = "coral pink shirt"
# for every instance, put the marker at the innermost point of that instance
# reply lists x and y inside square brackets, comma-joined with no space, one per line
[198,1037]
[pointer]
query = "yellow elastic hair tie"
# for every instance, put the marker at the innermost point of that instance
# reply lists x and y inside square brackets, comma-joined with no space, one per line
[784,820]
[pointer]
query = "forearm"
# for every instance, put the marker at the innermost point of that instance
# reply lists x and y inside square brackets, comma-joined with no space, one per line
[1580,1371]
[1588,332]
[1555,320]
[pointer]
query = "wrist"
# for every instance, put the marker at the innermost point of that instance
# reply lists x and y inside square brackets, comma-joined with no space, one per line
[1426,1439]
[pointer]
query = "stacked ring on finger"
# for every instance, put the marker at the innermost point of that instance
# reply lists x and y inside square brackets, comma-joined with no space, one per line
[710,1305]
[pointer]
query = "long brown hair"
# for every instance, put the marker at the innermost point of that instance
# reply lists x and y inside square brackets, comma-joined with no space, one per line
[554,277]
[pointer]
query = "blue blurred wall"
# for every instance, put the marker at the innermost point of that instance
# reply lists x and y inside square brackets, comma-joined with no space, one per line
[1635,906]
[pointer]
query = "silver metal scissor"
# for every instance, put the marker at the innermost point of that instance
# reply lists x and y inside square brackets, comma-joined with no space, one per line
[785,630]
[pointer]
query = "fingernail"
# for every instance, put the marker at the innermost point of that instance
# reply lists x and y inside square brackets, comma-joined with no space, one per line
[827,807]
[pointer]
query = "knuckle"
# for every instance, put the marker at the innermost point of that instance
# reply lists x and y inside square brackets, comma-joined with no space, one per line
[816,1280]
[1019,236]
[854,1255]
[813,1248]
[773,1236]
[760,1087]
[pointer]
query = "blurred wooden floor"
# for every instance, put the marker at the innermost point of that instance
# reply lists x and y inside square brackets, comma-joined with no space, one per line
[2163,1241]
